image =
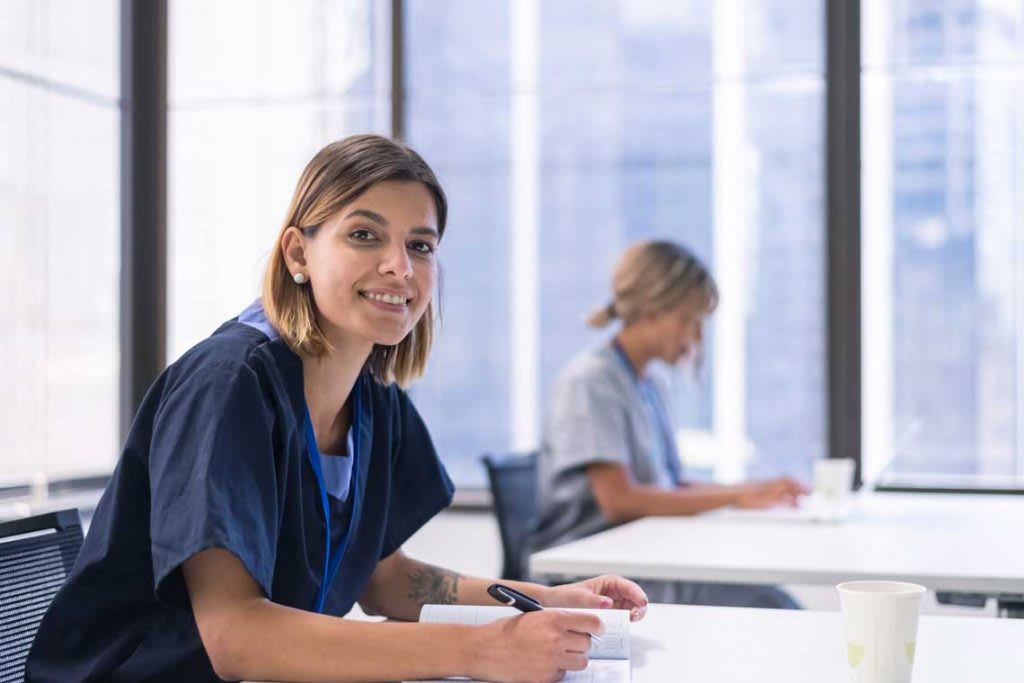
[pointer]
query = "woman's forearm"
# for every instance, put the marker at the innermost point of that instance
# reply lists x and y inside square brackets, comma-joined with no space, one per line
[261,640]
[651,501]
[246,636]
[402,585]
[622,499]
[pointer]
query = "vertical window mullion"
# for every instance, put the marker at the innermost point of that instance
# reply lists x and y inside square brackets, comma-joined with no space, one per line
[143,285]
[842,192]
[397,69]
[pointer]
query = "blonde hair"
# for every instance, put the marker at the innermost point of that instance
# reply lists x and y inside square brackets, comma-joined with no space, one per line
[652,277]
[334,178]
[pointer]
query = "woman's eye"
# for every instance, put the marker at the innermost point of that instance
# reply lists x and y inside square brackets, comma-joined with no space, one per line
[361,235]
[423,247]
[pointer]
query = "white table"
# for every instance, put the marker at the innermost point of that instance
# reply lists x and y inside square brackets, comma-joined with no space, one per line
[947,542]
[730,644]
[709,644]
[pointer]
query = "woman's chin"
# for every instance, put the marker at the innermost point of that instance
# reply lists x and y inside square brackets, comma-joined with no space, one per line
[389,338]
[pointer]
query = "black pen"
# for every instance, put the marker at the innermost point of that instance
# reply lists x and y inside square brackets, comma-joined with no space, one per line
[521,601]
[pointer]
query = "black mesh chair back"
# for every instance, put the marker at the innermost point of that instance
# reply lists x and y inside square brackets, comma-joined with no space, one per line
[36,554]
[514,490]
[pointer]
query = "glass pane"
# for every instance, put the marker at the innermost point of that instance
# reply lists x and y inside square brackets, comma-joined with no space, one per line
[944,258]
[66,43]
[623,44]
[710,134]
[941,32]
[633,173]
[255,91]
[600,122]
[785,338]
[222,50]
[458,119]
[784,36]
[58,258]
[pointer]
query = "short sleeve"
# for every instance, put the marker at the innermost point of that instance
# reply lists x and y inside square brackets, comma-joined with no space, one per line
[420,486]
[213,476]
[588,423]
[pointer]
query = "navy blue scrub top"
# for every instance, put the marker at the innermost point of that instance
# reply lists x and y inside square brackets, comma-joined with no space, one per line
[217,457]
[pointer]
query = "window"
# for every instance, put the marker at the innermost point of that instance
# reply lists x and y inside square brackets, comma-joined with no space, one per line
[59,244]
[943,237]
[566,131]
[562,132]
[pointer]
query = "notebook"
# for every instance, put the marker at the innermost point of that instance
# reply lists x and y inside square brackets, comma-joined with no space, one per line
[609,660]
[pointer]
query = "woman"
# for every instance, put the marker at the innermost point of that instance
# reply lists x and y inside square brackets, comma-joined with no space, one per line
[609,453]
[273,473]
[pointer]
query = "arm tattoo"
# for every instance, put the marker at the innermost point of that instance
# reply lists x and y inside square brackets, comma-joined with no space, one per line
[433,585]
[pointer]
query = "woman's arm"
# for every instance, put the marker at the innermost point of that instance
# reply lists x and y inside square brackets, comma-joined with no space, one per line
[247,636]
[400,586]
[621,499]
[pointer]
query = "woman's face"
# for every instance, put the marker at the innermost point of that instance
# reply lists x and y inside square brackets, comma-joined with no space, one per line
[677,333]
[372,265]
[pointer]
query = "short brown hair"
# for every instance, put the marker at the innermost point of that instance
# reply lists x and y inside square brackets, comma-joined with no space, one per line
[334,178]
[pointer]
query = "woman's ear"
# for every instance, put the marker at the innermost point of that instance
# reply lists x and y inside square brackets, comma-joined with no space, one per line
[293,248]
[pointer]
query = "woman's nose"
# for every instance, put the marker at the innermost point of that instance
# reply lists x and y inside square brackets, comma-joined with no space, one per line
[396,262]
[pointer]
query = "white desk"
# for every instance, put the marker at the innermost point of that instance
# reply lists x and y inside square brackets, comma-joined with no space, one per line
[710,644]
[731,644]
[945,542]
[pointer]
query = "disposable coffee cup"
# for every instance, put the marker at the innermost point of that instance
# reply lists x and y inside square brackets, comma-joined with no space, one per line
[880,619]
[833,480]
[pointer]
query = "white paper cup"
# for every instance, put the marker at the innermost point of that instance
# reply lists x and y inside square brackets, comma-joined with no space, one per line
[881,629]
[833,480]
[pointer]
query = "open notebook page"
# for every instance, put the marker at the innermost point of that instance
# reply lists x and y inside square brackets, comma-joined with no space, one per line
[609,662]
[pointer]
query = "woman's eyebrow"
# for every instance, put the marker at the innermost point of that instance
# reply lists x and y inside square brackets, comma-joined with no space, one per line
[377,218]
[430,232]
[372,215]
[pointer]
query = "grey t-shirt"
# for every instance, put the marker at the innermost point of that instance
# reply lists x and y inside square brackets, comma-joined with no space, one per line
[600,413]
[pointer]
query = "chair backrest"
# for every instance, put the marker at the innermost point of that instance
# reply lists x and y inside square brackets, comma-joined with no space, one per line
[514,491]
[36,554]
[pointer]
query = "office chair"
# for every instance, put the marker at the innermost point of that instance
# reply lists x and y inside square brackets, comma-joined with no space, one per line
[36,554]
[514,490]
[1009,605]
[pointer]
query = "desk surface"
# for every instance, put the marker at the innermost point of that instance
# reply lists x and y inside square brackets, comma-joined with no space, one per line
[710,644]
[943,541]
[729,644]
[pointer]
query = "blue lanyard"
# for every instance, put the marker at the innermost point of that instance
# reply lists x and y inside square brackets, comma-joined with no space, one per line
[649,395]
[332,560]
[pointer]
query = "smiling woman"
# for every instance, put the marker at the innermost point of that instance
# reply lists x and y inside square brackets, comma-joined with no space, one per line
[400,210]
[275,470]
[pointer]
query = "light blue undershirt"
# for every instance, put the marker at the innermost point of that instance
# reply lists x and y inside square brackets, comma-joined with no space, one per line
[337,470]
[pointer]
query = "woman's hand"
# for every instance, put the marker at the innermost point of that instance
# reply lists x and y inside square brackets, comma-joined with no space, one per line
[766,494]
[534,647]
[600,592]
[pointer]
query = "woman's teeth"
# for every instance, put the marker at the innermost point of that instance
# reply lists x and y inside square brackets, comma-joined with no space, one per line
[387,298]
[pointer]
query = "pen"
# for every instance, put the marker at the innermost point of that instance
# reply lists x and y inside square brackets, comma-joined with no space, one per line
[521,601]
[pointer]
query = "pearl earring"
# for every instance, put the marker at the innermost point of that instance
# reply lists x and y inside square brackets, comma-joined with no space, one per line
[300,278]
